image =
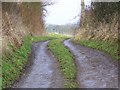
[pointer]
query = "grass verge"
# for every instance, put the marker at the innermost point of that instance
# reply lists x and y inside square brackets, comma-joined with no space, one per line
[66,62]
[109,47]
[15,60]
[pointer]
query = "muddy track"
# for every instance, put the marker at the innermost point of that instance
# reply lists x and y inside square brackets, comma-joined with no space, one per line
[95,69]
[44,72]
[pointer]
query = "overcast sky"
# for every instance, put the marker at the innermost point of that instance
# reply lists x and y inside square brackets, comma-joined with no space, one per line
[64,12]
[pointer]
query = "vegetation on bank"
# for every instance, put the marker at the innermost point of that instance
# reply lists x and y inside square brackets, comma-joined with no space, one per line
[0,72]
[100,23]
[109,47]
[20,20]
[99,27]
[66,62]
[14,61]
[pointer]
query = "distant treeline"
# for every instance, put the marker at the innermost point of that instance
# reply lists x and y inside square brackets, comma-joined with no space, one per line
[62,29]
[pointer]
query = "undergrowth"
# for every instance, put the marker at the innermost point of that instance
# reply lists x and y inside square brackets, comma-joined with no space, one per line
[66,62]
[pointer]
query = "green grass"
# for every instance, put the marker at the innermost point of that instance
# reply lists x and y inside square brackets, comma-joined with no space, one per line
[13,61]
[109,47]
[0,73]
[66,62]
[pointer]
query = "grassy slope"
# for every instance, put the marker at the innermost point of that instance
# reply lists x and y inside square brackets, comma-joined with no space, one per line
[14,61]
[109,47]
[66,62]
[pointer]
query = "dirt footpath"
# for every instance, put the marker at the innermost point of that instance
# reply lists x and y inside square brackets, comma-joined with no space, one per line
[44,72]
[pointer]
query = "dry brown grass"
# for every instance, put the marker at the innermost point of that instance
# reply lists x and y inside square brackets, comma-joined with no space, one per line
[101,31]
[18,21]
[0,28]
[32,17]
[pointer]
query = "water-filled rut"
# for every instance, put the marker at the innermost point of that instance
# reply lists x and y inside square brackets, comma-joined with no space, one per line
[44,72]
[95,69]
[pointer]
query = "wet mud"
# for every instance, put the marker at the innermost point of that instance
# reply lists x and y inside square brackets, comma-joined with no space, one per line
[44,72]
[95,69]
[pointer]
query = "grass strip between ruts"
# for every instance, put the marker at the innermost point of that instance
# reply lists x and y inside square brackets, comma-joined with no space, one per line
[66,61]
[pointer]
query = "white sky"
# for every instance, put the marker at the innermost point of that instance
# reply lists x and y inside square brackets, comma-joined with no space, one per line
[63,12]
